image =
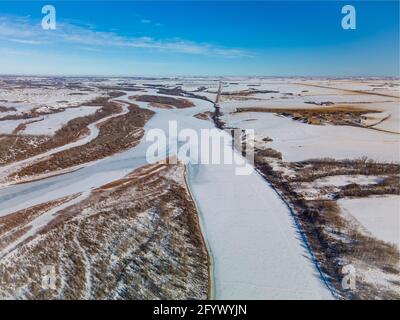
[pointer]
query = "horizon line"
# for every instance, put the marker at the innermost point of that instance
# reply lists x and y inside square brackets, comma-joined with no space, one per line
[195,76]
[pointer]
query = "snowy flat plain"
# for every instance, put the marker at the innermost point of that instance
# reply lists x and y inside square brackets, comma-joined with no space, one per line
[53,122]
[342,180]
[377,95]
[47,124]
[380,216]
[8,126]
[24,99]
[300,141]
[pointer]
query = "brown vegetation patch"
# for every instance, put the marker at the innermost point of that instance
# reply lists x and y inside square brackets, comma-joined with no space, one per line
[337,115]
[160,105]
[389,185]
[33,113]
[313,169]
[7,109]
[261,154]
[177,91]
[175,102]
[245,95]
[204,115]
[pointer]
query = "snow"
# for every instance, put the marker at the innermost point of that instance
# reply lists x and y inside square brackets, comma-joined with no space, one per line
[324,188]
[342,180]
[41,221]
[391,116]
[300,141]
[374,118]
[305,91]
[93,133]
[53,97]
[380,86]
[8,126]
[47,124]
[53,122]
[254,242]
[20,108]
[380,216]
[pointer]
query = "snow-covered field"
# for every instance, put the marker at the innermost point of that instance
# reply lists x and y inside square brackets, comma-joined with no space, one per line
[376,95]
[344,180]
[331,184]
[379,216]
[300,141]
[24,99]
[8,126]
[257,248]
[49,124]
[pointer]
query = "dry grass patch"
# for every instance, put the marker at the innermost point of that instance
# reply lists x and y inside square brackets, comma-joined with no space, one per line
[204,115]
[7,109]
[174,102]
[336,115]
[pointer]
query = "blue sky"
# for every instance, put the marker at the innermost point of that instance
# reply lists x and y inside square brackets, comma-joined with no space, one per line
[200,38]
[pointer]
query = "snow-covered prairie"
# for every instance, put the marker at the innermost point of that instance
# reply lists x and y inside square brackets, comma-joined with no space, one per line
[384,87]
[49,124]
[325,187]
[46,124]
[14,108]
[25,98]
[377,95]
[379,216]
[343,180]
[8,126]
[300,141]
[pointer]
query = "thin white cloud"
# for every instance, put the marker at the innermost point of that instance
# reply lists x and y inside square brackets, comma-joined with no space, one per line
[23,31]
[145,21]
[23,41]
